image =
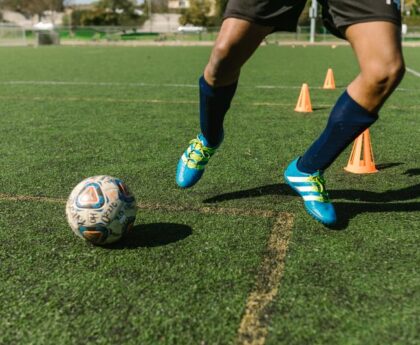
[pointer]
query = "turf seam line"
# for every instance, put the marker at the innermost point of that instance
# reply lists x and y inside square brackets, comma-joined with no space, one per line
[253,328]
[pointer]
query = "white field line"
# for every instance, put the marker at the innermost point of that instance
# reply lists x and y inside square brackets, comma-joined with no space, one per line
[160,207]
[88,83]
[320,106]
[128,84]
[412,71]
[167,85]
[138,101]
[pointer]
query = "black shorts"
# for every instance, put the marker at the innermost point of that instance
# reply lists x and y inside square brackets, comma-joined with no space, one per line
[283,15]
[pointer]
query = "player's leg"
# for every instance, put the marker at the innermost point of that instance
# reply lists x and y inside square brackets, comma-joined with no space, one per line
[236,42]
[378,49]
[381,63]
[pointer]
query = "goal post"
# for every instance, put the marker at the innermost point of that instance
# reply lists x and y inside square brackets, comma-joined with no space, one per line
[12,35]
[313,12]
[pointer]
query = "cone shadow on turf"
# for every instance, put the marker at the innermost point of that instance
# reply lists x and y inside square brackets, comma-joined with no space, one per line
[384,166]
[152,235]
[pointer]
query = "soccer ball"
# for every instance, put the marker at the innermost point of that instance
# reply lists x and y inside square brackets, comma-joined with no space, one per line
[101,209]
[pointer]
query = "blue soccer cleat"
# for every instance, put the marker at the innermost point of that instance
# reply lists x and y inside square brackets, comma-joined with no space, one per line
[192,162]
[311,187]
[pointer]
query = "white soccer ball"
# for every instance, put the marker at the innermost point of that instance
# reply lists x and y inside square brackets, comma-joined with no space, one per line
[101,209]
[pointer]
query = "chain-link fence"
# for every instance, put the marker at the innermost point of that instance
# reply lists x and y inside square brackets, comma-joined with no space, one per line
[412,34]
[134,34]
[119,33]
[12,35]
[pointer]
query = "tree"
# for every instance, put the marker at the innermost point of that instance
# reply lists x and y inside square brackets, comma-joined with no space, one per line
[108,12]
[159,6]
[126,6]
[416,7]
[197,14]
[411,13]
[220,8]
[32,7]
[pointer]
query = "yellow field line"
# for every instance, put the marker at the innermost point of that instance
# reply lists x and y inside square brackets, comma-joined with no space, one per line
[253,326]
[10,197]
[158,207]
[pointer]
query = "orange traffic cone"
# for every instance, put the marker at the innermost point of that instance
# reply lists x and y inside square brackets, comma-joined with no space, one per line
[356,164]
[329,82]
[304,102]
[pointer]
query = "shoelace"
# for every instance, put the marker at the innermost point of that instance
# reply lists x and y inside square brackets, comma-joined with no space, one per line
[319,182]
[198,154]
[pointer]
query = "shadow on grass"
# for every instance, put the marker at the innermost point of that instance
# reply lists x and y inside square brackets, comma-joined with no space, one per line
[271,189]
[412,172]
[408,193]
[152,235]
[320,108]
[283,189]
[348,210]
[371,201]
[385,166]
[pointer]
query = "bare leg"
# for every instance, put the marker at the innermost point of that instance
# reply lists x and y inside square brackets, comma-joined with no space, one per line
[378,49]
[377,46]
[237,41]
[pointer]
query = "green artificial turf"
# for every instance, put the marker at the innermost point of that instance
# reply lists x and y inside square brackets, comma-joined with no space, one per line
[184,277]
[172,278]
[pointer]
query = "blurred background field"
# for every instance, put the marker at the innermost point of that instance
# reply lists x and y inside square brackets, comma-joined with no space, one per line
[139,21]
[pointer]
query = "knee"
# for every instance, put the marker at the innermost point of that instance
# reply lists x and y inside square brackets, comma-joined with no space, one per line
[221,52]
[383,78]
[396,71]
[222,68]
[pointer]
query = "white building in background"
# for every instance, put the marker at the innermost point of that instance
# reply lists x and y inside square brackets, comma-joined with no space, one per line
[27,23]
[18,19]
[162,22]
[178,4]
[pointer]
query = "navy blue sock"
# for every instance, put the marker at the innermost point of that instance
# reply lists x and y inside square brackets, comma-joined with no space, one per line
[347,121]
[214,104]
